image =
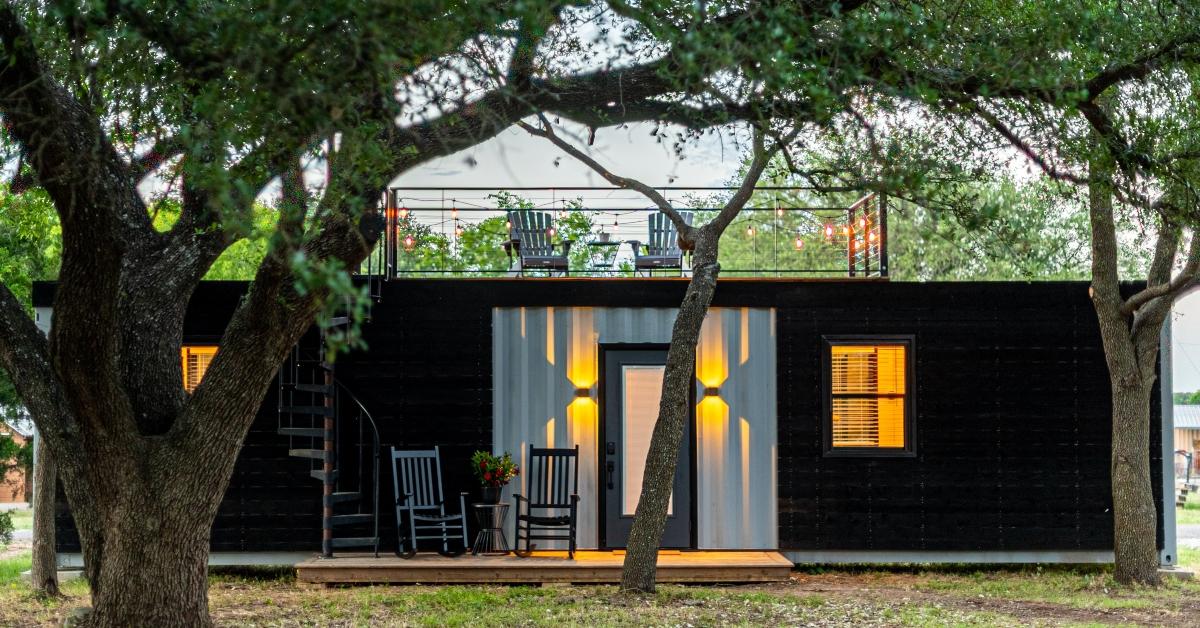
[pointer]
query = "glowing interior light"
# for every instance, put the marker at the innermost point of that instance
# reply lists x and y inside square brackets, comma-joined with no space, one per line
[408,243]
[828,231]
[799,243]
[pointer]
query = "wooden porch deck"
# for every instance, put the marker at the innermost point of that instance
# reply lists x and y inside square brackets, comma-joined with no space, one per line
[590,566]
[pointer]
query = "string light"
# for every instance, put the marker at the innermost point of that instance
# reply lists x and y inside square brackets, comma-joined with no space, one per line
[799,242]
[403,213]
[454,213]
[508,224]
[779,212]
[862,222]
[458,230]
[871,236]
[750,231]
[828,231]
[408,243]
[550,232]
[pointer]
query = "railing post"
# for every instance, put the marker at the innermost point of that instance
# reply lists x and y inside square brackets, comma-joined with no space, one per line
[883,235]
[850,240]
[393,232]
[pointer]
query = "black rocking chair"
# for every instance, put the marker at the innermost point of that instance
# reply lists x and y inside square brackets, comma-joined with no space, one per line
[530,233]
[662,248]
[552,508]
[417,484]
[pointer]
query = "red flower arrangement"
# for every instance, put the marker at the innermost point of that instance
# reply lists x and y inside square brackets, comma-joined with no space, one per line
[492,470]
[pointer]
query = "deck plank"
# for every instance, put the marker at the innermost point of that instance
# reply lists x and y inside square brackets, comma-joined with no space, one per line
[543,567]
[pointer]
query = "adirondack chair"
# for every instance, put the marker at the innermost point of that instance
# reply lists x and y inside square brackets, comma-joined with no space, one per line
[417,485]
[552,508]
[530,236]
[662,247]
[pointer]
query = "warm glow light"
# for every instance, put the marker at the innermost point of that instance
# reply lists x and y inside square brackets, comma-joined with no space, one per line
[711,367]
[408,243]
[196,359]
[404,212]
[871,236]
[582,360]
[862,222]
[508,224]
[779,211]
[799,243]
[454,213]
[458,230]
[750,231]
[828,231]
[550,232]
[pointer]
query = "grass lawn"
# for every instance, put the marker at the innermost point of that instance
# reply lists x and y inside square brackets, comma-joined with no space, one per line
[1190,513]
[22,519]
[951,596]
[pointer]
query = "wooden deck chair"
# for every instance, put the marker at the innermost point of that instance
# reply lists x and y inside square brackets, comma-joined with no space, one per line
[530,233]
[551,509]
[417,485]
[662,246]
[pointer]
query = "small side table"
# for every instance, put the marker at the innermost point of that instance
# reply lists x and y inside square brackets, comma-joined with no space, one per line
[490,538]
[602,254]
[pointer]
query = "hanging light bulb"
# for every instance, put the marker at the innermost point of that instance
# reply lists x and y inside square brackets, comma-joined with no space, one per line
[408,243]
[508,225]
[403,213]
[799,242]
[458,230]
[828,231]
[862,223]
[550,232]
[750,231]
[779,212]
[454,213]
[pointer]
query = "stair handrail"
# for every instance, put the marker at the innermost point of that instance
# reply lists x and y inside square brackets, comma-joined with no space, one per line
[376,442]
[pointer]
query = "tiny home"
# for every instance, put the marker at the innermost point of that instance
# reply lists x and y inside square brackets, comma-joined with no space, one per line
[835,419]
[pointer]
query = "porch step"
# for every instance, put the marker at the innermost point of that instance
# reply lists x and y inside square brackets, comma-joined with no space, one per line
[345,520]
[318,454]
[343,496]
[320,389]
[320,475]
[310,432]
[317,410]
[354,541]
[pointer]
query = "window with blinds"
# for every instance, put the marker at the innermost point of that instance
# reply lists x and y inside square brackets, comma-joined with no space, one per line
[868,395]
[196,359]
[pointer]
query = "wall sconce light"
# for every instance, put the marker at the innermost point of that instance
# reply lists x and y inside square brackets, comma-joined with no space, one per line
[712,391]
[583,393]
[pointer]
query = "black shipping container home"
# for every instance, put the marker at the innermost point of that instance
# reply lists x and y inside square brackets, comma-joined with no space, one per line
[852,420]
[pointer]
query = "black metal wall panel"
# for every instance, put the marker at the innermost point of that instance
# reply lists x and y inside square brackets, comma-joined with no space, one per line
[1012,421]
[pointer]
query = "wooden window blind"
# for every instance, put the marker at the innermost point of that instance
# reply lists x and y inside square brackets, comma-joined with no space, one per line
[868,390]
[196,359]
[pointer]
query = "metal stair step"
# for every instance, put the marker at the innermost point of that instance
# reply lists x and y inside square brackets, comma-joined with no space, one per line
[310,432]
[320,475]
[317,410]
[354,541]
[320,389]
[343,496]
[345,520]
[319,454]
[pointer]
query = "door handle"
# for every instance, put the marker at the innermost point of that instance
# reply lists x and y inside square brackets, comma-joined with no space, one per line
[612,466]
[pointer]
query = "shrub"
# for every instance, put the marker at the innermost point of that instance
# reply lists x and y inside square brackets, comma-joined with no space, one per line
[6,527]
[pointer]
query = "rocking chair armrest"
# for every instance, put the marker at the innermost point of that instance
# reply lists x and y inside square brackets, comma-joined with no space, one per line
[574,499]
[403,499]
[521,498]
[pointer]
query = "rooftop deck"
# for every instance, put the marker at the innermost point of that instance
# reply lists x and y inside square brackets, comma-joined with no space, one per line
[468,232]
[589,566]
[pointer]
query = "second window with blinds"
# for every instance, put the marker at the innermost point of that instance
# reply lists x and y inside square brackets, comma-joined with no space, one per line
[868,395]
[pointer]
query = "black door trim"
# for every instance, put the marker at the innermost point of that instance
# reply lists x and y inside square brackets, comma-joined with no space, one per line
[602,440]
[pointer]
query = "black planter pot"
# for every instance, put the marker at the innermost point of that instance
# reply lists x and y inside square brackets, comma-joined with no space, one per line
[490,494]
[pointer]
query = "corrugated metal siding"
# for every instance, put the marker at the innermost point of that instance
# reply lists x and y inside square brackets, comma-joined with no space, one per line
[535,353]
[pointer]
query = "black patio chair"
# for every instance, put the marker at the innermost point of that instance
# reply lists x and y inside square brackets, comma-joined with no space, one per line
[662,246]
[530,234]
[417,485]
[552,507]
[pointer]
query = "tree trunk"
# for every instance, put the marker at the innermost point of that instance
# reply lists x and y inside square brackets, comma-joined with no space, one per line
[1135,528]
[150,564]
[641,556]
[44,572]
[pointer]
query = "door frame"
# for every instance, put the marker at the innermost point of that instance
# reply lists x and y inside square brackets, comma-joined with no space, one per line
[602,428]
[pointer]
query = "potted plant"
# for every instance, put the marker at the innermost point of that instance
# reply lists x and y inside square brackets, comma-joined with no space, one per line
[493,472]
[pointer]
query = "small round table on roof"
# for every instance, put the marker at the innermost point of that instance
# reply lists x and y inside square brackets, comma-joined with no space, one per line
[490,539]
[603,253]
